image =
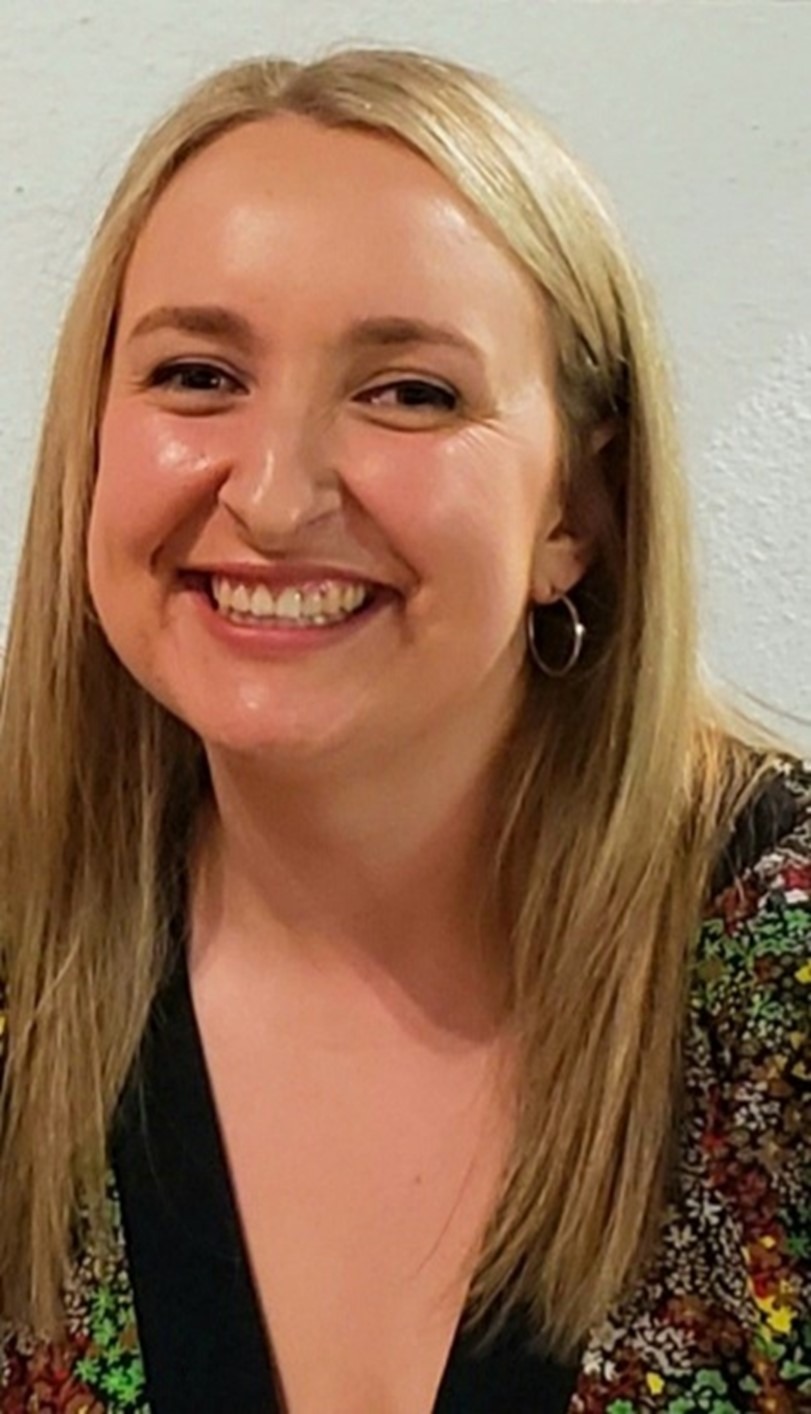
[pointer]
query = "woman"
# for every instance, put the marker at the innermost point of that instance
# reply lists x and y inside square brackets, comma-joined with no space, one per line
[406,958]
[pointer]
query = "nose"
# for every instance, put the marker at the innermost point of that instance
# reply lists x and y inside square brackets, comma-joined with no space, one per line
[283,476]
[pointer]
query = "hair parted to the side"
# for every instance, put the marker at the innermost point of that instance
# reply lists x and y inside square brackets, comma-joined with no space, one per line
[614,790]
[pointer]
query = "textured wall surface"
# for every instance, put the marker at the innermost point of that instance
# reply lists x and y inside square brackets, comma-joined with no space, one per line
[694,114]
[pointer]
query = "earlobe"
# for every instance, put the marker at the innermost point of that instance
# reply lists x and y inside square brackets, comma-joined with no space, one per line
[602,435]
[561,563]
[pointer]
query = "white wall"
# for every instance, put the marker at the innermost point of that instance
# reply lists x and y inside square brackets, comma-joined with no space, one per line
[696,116]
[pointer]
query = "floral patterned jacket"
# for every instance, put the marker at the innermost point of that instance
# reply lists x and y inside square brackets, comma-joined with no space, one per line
[723,1322]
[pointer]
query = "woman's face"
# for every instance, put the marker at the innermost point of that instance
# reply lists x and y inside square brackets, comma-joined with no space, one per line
[326,373]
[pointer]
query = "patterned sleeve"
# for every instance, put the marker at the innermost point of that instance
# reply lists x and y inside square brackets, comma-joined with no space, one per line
[754,993]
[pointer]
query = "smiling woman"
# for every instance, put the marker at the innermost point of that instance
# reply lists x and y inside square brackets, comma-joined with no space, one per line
[407,997]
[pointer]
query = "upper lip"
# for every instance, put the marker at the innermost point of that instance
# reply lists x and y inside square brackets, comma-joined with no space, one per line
[284,574]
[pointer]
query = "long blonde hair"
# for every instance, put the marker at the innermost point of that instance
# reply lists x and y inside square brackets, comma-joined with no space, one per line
[614,789]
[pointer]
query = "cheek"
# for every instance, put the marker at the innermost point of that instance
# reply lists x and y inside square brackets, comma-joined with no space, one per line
[460,510]
[150,476]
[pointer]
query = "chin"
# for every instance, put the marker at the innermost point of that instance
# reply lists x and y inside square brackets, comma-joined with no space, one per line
[273,745]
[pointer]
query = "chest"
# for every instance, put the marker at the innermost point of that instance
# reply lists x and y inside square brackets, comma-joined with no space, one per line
[363,1171]
[170,1322]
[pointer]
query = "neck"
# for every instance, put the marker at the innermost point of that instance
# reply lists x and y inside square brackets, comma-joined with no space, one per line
[376,874]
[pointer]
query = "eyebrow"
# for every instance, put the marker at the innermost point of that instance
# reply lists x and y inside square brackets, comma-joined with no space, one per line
[393,330]
[386,331]
[210,319]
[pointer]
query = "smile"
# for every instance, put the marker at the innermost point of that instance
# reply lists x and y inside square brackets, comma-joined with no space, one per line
[326,603]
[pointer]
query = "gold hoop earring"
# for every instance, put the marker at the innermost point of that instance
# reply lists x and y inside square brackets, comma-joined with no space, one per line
[578,633]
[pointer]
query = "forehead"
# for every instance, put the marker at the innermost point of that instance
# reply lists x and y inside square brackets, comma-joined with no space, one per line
[285,218]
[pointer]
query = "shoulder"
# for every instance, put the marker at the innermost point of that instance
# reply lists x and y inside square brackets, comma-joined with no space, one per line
[748,1077]
[753,965]
[746,1165]
[722,1319]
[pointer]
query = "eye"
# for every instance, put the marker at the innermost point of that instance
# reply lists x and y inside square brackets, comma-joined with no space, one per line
[194,376]
[412,393]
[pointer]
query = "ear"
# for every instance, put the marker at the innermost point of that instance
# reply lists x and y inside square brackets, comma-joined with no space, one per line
[602,435]
[564,554]
[560,561]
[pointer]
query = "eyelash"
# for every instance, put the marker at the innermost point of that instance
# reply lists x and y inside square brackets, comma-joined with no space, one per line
[164,376]
[447,398]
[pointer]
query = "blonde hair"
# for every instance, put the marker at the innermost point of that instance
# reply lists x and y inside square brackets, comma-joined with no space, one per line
[615,788]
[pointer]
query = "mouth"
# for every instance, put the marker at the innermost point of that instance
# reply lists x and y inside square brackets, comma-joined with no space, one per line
[201,585]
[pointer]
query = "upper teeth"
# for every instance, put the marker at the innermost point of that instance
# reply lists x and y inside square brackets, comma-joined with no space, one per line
[327,600]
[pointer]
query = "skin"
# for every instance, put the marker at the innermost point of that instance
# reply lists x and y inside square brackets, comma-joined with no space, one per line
[352,1027]
[371,755]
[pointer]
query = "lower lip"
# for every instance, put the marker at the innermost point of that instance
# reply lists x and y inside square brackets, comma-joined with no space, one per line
[261,639]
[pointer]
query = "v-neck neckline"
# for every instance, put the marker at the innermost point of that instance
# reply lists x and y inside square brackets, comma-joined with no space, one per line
[200,1322]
